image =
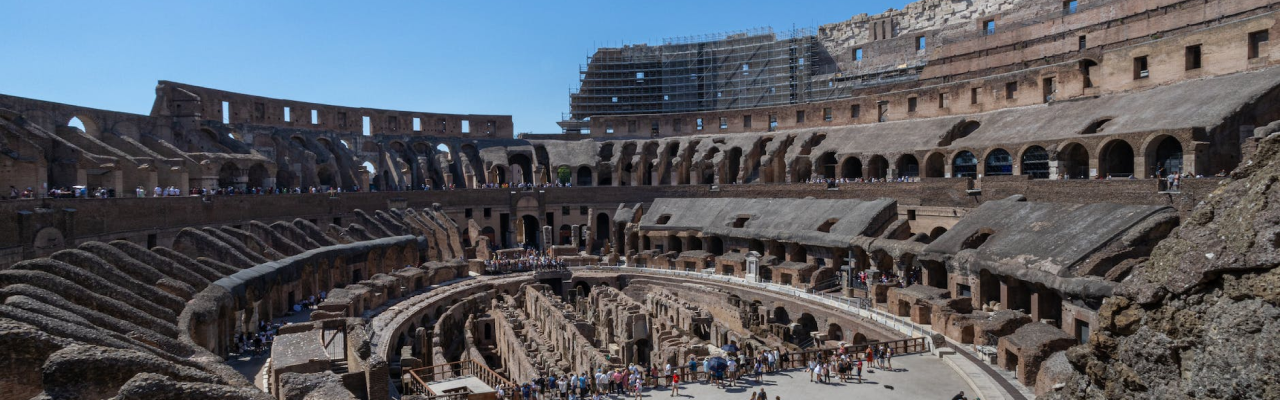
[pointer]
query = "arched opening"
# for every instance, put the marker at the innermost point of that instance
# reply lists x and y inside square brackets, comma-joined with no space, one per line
[229,176]
[85,125]
[1035,163]
[525,166]
[999,162]
[964,165]
[936,232]
[827,165]
[908,166]
[1117,160]
[716,246]
[935,166]
[566,234]
[258,175]
[624,179]
[801,170]
[977,239]
[604,177]
[805,327]
[1073,161]
[642,350]
[529,232]
[878,167]
[582,288]
[564,175]
[677,245]
[1168,157]
[500,175]
[834,332]
[1098,126]
[780,316]
[961,130]
[695,244]
[491,234]
[602,230]
[708,175]
[733,165]
[584,176]
[851,169]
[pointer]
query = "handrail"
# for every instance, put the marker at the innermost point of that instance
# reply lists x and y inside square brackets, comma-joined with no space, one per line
[439,372]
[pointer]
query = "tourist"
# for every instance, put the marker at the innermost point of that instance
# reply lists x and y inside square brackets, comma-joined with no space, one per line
[675,383]
[960,396]
[888,357]
[732,367]
[666,374]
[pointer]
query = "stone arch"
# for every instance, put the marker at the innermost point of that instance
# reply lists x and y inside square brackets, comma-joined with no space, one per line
[936,232]
[258,175]
[851,168]
[907,165]
[935,165]
[326,176]
[801,169]
[230,175]
[1035,162]
[565,234]
[1073,161]
[525,165]
[127,129]
[997,162]
[964,165]
[584,176]
[48,240]
[733,165]
[564,175]
[806,325]
[1165,154]
[86,124]
[530,231]
[1116,159]
[499,174]
[835,332]
[878,167]
[827,165]
[781,316]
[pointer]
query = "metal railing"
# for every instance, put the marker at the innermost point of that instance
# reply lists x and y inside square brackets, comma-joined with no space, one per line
[421,377]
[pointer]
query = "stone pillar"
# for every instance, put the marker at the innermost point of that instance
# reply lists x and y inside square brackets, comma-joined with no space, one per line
[576,233]
[1055,170]
[1035,303]
[1005,294]
[546,237]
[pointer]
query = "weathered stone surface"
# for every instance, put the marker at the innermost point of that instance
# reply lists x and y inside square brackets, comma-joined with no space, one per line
[1201,319]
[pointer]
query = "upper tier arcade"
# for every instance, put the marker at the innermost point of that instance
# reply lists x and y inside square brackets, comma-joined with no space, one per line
[180,100]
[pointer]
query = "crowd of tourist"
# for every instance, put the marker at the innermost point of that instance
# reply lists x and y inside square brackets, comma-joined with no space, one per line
[527,260]
[257,343]
[836,181]
[729,371]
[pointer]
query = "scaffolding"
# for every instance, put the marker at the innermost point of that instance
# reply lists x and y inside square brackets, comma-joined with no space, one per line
[752,68]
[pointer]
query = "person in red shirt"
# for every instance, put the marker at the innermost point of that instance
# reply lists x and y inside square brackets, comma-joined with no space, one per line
[675,383]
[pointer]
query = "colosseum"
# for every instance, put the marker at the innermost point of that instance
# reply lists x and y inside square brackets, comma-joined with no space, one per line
[1012,199]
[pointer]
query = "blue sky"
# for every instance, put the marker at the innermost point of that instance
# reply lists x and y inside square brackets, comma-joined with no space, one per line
[509,57]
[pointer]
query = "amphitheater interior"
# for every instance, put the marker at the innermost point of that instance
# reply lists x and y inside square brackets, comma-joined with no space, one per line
[1043,198]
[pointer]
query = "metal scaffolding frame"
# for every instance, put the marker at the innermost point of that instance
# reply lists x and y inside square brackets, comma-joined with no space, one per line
[752,68]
